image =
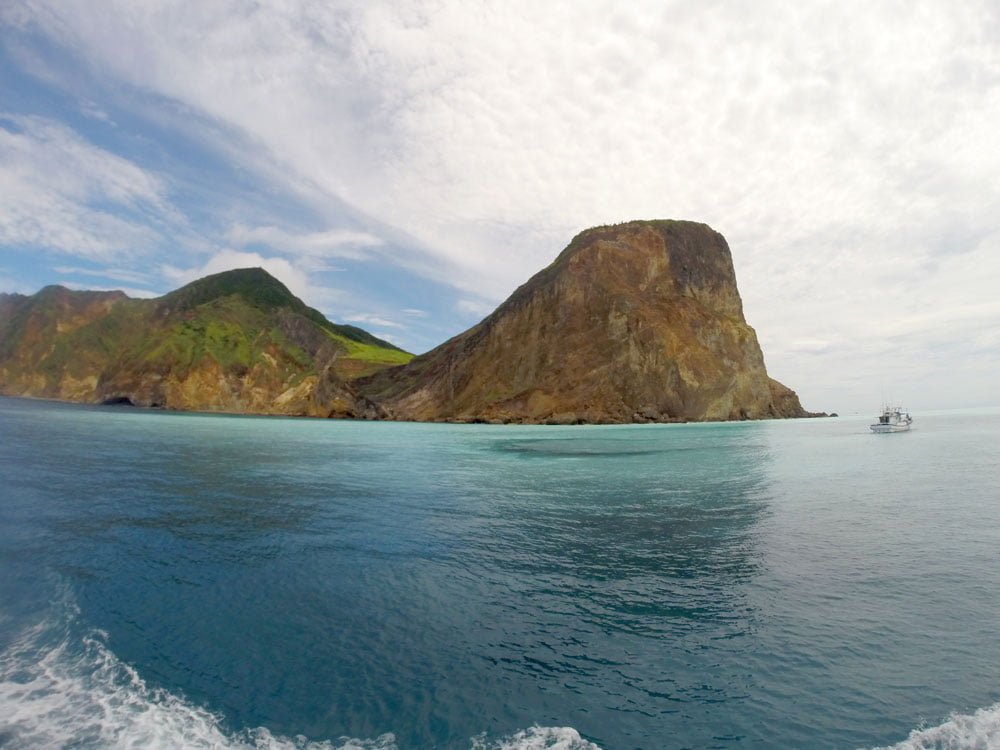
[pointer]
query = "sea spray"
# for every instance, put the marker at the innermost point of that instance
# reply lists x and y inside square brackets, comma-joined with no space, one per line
[975,731]
[538,738]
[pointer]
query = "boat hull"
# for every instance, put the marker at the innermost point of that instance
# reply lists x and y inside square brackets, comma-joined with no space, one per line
[886,428]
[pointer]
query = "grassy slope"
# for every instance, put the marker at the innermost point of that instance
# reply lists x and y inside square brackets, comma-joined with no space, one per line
[234,334]
[239,319]
[259,289]
[233,323]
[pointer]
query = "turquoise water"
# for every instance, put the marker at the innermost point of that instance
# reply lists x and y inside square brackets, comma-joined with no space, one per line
[215,581]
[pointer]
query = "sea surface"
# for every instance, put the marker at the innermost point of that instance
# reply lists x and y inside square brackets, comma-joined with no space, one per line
[183,580]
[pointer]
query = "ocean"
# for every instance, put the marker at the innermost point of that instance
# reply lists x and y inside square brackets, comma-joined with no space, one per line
[189,580]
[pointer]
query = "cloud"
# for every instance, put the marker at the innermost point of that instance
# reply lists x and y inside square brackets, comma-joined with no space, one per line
[474,307]
[333,243]
[93,110]
[386,336]
[60,193]
[811,346]
[369,319]
[118,274]
[414,313]
[472,125]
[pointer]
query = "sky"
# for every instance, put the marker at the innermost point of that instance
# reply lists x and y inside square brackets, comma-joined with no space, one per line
[404,166]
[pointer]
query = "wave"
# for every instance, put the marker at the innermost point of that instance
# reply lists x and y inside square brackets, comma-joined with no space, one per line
[975,731]
[59,690]
[538,738]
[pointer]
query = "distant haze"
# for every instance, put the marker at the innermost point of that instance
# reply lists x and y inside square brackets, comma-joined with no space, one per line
[403,166]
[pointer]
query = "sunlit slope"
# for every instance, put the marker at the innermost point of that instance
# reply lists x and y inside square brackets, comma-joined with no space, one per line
[237,341]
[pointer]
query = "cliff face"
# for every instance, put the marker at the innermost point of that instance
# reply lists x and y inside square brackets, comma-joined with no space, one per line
[636,322]
[235,342]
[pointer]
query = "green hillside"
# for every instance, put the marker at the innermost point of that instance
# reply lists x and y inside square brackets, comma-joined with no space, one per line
[234,341]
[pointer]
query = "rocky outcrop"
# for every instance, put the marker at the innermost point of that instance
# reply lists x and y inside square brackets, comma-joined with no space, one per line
[631,323]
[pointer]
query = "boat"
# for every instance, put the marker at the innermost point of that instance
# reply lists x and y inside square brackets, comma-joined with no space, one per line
[892,419]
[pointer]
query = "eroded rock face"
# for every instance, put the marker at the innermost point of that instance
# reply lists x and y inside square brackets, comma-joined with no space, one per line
[635,322]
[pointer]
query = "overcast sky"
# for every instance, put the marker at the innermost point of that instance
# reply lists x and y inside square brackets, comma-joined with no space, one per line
[405,165]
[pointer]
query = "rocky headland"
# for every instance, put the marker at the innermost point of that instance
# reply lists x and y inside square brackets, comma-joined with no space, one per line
[639,322]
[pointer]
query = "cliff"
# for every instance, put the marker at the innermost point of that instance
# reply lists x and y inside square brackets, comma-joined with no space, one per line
[636,322]
[238,341]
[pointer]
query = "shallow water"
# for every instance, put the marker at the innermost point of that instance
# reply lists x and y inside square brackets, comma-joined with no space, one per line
[177,579]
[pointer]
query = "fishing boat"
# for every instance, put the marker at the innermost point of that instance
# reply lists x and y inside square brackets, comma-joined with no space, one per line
[892,419]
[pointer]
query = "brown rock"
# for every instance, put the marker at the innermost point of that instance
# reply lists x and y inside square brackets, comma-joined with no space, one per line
[635,322]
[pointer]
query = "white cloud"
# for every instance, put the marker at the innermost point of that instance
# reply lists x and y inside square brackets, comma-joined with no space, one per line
[59,192]
[386,336]
[414,313]
[93,110]
[369,319]
[333,243]
[810,346]
[118,274]
[474,307]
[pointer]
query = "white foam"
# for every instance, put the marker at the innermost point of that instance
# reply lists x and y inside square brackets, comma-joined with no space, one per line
[976,731]
[57,691]
[57,695]
[538,738]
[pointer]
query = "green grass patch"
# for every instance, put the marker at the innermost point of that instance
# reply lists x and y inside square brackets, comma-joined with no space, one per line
[372,353]
[185,344]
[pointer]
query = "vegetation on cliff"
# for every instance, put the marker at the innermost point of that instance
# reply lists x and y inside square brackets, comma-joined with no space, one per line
[236,341]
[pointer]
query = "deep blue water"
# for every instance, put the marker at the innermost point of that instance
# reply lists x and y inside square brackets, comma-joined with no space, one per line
[192,580]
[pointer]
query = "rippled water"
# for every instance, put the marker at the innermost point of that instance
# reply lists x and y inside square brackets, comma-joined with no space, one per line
[176,579]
